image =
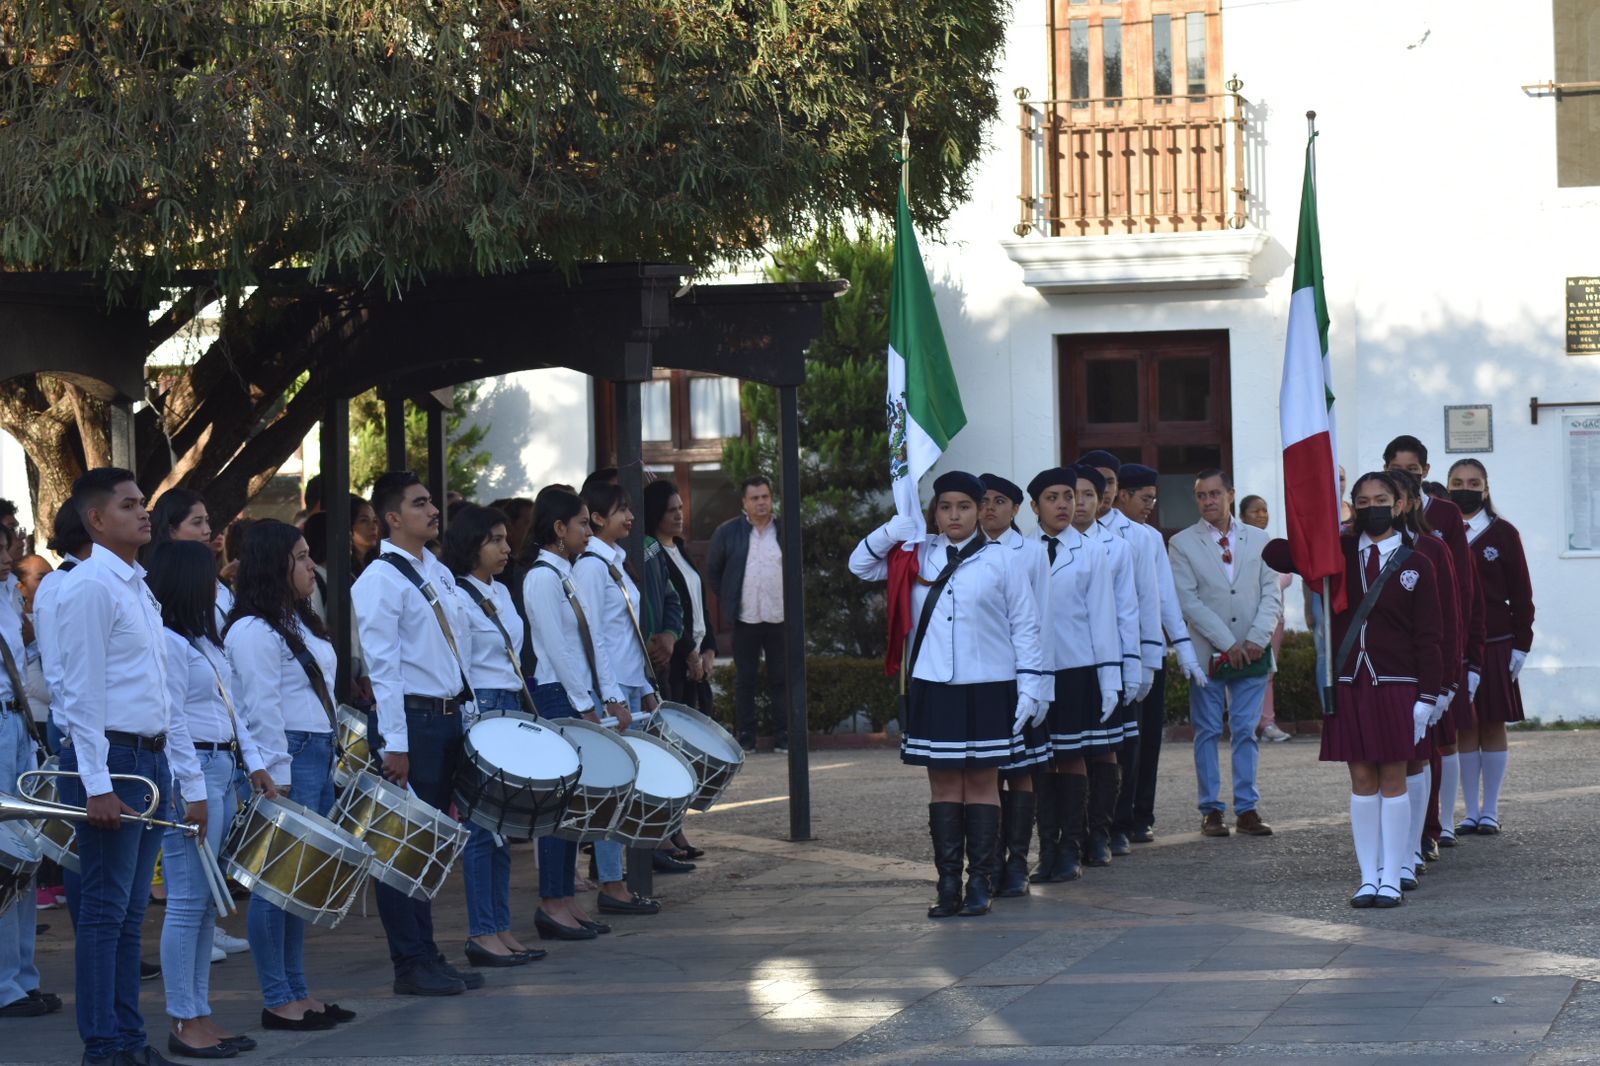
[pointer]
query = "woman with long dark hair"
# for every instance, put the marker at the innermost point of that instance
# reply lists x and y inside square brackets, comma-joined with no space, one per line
[181,514]
[475,550]
[181,575]
[573,678]
[283,668]
[1502,565]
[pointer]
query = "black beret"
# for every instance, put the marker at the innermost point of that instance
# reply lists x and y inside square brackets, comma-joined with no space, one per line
[1100,458]
[958,481]
[1056,475]
[1008,489]
[1136,476]
[1093,477]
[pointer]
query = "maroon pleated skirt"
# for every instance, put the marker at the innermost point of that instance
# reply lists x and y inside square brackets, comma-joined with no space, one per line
[1499,695]
[1373,725]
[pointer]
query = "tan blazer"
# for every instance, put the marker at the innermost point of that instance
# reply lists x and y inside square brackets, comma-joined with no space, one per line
[1219,612]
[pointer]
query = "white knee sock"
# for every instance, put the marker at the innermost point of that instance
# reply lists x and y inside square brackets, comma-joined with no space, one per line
[1364,829]
[1449,782]
[1417,799]
[1395,816]
[1471,763]
[1494,775]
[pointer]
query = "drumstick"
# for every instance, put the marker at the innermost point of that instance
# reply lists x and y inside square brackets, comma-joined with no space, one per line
[215,879]
[642,718]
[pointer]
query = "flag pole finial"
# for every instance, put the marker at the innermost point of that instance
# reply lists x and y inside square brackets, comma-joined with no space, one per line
[905,153]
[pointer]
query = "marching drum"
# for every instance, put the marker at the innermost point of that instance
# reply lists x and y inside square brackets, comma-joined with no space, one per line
[296,860]
[414,844]
[19,861]
[661,793]
[355,752]
[516,775]
[605,779]
[53,838]
[711,751]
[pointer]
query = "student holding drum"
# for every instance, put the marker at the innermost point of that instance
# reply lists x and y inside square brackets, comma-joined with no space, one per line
[283,667]
[476,550]
[572,678]
[181,576]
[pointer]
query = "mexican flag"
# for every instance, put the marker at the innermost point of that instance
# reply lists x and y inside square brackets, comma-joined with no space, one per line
[923,407]
[1305,411]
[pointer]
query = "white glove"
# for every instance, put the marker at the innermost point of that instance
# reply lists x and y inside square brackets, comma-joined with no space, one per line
[1441,705]
[1472,684]
[1130,680]
[1517,659]
[1041,711]
[902,527]
[1147,680]
[1027,711]
[1191,665]
[1108,704]
[1420,712]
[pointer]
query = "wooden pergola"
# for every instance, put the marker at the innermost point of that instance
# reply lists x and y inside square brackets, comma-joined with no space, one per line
[615,322]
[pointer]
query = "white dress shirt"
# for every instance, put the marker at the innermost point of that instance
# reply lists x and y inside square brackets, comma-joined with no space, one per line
[44,598]
[224,604]
[697,595]
[1119,559]
[488,665]
[975,635]
[406,651]
[761,596]
[271,692]
[11,633]
[553,627]
[615,621]
[195,667]
[1478,523]
[108,631]
[1146,584]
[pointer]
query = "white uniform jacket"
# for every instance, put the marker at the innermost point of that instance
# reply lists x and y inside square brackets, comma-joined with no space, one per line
[1027,555]
[1119,556]
[974,635]
[1146,584]
[1083,611]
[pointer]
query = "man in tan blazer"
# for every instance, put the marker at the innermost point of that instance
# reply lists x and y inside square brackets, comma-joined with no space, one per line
[1231,602]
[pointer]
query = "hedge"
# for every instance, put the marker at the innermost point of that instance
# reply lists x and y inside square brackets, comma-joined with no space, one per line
[1294,685]
[837,686]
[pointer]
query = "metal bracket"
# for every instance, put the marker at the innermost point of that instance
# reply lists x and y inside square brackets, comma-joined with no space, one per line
[1534,405]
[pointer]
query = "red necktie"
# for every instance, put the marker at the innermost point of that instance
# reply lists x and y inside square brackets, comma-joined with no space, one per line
[1372,565]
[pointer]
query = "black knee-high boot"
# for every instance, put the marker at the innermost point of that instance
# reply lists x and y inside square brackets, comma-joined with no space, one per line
[947,826]
[1073,805]
[1104,777]
[1016,830]
[1047,808]
[983,837]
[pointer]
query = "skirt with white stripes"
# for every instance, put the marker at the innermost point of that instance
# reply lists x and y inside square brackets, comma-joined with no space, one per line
[1074,722]
[957,727]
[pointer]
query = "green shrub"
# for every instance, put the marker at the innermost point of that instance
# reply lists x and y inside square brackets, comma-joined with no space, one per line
[1294,685]
[837,686]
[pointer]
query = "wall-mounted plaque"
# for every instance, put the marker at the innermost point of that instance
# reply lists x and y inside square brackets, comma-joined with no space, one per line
[1583,316]
[1469,428]
[1581,458]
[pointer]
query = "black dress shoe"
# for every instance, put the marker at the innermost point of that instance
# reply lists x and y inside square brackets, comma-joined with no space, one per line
[1488,827]
[49,999]
[638,904]
[148,971]
[310,1022]
[1384,901]
[471,980]
[478,955]
[337,1013]
[243,1043]
[421,980]
[26,1007]
[662,863]
[1365,896]
[145,1056]
[1409,884]
[550,929]
[533,954]
[597,928]
[1119,844]
[213,1051]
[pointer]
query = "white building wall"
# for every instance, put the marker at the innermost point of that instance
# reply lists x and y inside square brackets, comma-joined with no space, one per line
[1446,245]
[541,431]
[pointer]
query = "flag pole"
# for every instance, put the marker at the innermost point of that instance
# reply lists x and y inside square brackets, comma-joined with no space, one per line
[905,153]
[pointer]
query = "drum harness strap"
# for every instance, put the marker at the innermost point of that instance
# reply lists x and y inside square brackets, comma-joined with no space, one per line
[20,695]
[511,652]
[616,575]
[233,719]
[583,626]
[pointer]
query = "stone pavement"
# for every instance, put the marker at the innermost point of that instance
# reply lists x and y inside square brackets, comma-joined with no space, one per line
[819,952]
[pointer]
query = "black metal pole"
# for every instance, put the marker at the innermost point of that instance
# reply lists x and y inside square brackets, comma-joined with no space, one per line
[629,430]
[336,502]
[438,462]
[394,431]
[121,435]
[794,615]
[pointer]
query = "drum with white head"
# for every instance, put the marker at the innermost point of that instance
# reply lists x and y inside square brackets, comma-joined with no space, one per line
[414,844]
[661,793]
[605,780]
[355,750]
[711,751]
[516,775]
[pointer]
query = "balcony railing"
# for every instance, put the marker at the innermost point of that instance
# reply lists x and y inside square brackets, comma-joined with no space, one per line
[1170,164]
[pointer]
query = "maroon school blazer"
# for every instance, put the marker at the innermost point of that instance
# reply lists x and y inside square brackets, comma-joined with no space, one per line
[1445,518]
[1507,590]
[1449,608]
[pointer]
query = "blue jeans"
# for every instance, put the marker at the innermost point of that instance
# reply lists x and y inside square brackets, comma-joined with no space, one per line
[115,869]
[1244,696]
[558,878]
[277,938]
[608,853]
[190,914]
[435,748]
[18,974]
[486,862]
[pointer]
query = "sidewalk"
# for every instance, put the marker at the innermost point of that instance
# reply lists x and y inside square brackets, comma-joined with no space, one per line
[1188,950]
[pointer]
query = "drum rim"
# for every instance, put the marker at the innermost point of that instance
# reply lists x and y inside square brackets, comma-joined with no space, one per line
[699,716]
[694,778]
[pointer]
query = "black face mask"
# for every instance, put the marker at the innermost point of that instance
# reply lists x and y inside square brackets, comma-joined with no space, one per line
[1374,521]
[1469,500]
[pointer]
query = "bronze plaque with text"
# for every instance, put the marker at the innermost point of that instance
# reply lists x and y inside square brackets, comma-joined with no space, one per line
[1583,316]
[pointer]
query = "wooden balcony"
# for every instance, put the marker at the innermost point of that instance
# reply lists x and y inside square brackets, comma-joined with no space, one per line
[1131,165]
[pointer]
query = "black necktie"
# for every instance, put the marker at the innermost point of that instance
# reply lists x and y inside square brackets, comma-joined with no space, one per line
[1051,545]
[950,553]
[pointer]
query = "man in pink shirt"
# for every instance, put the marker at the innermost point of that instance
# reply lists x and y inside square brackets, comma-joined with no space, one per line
[745,565]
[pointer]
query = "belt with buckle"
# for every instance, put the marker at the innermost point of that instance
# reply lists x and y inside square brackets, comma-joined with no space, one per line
[137,742]
[215,745]
[432,705]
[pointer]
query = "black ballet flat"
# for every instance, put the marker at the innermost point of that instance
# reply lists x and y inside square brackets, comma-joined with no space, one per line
[550,929]
[312,1022]
[243,1043]
[1488,827]
[1384,902]
[597,928]
[478,955]
[337,1014]
[1409,884]
[1364,899]
[221,1050]
[532,954]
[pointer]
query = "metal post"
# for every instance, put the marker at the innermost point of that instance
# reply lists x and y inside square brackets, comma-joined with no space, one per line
[336,502]
[438,462]
[794,615]
[121,433]
[394,431]
[628,427]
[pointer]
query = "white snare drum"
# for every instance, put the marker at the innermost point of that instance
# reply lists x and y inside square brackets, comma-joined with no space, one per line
[413,844]
[296,860]
[19,861]
[53,838]
[605,779]
[516,775]
[711,751]
[355,751]
[661,793]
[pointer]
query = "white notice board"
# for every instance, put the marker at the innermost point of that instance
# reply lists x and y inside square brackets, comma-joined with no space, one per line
[1580,438]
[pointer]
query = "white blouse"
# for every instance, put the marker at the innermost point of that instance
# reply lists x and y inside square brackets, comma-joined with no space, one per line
[556,641]
[488,665]
[194,667]
[271,691]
